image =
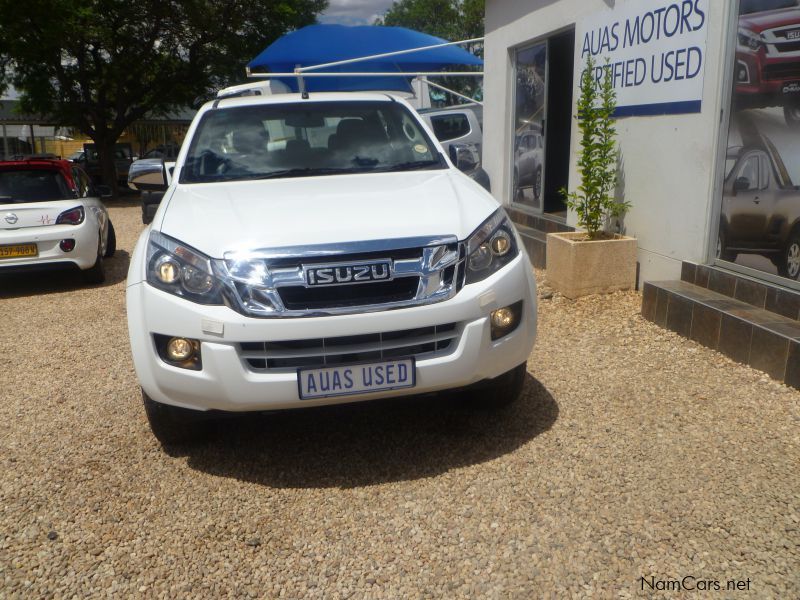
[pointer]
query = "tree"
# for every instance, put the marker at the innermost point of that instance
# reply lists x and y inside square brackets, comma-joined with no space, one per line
[593,201]
[99,65]
[449,19]
[452,20]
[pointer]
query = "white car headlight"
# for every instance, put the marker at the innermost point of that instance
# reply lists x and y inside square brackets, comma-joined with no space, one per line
[490,247]
[180,270]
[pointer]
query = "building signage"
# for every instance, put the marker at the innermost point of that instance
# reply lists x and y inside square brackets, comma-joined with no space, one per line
[656,51]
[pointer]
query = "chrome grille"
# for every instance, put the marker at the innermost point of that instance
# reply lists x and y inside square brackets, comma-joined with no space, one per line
[272,283]
[422,342]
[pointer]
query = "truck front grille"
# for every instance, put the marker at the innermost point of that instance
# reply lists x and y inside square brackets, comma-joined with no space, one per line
[422,342]
[316,298]
[325,280]
[789,70]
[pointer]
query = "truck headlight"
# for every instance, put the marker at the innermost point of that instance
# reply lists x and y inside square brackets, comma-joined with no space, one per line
[492,246]
[180,270]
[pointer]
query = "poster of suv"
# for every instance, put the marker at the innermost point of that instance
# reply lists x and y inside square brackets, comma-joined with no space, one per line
[528,151]
[760,214]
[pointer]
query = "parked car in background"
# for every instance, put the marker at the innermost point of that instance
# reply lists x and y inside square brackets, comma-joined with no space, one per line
[151,166]
[460,125]
[768,56]
[760,209]
[529,161]
[51,216]
[89,160]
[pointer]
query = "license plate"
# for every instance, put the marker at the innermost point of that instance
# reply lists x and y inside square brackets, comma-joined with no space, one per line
[792,87]
[346,380]
[18,250]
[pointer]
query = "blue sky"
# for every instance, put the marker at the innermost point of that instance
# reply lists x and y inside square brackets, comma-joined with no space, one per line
[354,12]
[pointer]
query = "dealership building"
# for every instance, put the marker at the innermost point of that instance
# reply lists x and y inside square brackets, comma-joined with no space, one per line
[708,122]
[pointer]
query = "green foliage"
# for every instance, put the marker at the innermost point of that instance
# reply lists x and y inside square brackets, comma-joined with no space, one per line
[452,20]
[594,201]
[99,65]
[449,19]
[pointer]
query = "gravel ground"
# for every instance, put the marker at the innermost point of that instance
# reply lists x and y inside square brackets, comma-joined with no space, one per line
[633,453]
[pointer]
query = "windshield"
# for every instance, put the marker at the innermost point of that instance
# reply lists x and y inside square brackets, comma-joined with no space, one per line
[32,185]
[322,138]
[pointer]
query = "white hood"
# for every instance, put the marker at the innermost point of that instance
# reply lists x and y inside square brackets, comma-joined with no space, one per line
[216,218]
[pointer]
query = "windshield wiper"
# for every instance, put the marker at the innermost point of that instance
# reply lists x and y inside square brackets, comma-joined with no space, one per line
[304,171]
[411,165]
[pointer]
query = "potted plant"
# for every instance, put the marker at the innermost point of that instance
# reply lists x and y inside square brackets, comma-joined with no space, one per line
[593,260]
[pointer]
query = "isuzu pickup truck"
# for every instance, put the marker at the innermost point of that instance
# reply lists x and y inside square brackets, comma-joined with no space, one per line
[320,250]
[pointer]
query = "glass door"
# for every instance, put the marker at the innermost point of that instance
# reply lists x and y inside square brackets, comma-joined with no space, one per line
[530,99]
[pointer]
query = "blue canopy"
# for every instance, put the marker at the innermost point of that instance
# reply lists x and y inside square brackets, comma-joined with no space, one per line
[318,44]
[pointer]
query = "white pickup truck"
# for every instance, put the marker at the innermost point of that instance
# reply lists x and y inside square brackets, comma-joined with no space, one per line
[319,250]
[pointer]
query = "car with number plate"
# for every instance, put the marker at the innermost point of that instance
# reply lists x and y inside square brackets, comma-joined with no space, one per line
[52,217]
[319,250]
[768,56]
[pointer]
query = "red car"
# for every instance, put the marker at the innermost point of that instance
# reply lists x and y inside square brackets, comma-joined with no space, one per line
[768,56]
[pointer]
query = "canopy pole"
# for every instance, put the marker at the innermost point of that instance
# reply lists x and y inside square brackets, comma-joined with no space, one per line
[301,83]
[367,74]
[386,54]
[446,89]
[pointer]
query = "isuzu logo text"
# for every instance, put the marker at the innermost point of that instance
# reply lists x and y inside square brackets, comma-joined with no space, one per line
[365,272]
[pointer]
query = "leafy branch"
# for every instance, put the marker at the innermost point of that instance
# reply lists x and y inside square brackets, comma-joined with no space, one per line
[593,201]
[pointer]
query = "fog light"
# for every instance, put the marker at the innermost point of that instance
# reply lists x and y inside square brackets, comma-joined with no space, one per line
[67,245]
[502,318]
[505,320]
[179,349]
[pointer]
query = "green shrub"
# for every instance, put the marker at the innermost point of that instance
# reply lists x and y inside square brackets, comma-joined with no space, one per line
[594,201]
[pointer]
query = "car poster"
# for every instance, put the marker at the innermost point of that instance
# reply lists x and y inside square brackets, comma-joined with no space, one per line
[529,111]
[760,213]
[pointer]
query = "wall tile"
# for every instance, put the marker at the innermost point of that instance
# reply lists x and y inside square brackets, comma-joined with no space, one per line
[735,337]
[769,352]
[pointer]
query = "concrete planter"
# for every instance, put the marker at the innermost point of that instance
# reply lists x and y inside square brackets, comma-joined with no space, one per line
[578,267]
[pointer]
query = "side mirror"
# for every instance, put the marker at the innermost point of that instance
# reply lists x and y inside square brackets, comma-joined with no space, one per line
[103,190]
[741,184]
[148,176]
[464,156]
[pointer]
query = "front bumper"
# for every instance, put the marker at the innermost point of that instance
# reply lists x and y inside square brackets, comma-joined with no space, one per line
[226,381]
[47,240]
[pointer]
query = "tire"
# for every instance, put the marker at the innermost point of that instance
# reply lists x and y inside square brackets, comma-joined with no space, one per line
[516,190]
[148,213]
[790,265]
[499,392]
[96,273]
[537,184]
[111,241]
[791,112]
[173,426]
[722,251]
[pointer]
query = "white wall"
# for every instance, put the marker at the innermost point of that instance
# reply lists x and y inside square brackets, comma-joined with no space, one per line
[669,161]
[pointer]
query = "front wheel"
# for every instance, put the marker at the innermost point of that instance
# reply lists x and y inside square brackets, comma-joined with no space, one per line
[790,266]
[499,392]
[173,426]
[791,112]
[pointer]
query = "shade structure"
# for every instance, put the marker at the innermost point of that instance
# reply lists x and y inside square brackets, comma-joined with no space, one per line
[319,44]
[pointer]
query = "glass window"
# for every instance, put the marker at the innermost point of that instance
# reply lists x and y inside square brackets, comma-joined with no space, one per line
[763,142]
[529,110]
[322,138]
[450,127]
[32,185]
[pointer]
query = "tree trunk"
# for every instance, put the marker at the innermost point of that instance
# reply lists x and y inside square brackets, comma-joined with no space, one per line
[105,155]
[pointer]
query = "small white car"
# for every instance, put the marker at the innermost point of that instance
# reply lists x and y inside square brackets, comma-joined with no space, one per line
[51,217]
[350,262]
